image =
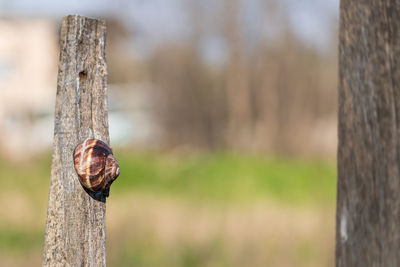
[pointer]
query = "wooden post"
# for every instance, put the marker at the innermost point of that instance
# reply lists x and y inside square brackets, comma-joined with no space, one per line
[368,200]
[75,228]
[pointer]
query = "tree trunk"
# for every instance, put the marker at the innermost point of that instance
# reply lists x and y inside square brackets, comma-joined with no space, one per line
[368,203]
[238,92]
[75,228]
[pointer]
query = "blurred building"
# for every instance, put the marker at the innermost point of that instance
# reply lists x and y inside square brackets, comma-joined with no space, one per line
[28,75]
[28,72]
[220,82]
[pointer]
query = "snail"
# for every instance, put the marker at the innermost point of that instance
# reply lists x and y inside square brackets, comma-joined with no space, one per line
[95,165]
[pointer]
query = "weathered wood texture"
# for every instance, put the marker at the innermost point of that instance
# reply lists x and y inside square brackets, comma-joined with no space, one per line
[368,204]
[75,229]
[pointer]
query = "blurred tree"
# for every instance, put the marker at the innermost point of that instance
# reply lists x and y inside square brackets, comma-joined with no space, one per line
[237,87]
[368,231]
[266,89]
[187,99]
[124,67]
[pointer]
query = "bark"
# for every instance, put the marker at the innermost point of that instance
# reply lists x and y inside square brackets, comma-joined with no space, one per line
[75,228]
[368,203]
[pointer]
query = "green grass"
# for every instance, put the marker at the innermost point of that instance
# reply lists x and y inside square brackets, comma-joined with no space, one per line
[211,177]
[14,239]
[228,177]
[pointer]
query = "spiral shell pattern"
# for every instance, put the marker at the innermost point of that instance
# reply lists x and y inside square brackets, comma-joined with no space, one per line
[95,165]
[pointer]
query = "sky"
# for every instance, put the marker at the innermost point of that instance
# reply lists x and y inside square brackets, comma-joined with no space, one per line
[157,20]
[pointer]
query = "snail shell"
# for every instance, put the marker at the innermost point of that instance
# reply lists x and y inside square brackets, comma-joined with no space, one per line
[95,165]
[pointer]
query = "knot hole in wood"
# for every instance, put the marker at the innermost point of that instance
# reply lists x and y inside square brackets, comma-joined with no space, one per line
[82,76]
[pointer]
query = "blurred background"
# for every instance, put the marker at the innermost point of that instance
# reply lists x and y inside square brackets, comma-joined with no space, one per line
[222,115]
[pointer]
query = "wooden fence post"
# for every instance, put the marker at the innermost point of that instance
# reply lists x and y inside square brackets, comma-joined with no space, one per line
[368,201]
[75,227]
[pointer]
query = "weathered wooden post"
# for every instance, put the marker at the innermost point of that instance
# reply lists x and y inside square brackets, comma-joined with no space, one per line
[75,228]
[368,204]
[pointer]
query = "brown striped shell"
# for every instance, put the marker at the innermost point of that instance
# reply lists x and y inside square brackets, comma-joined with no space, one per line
[95,165]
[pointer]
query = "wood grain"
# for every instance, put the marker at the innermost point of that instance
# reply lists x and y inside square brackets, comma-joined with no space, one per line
[75,228]
[368,202]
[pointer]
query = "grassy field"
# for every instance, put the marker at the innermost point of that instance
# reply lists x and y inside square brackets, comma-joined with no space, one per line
[219,209]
